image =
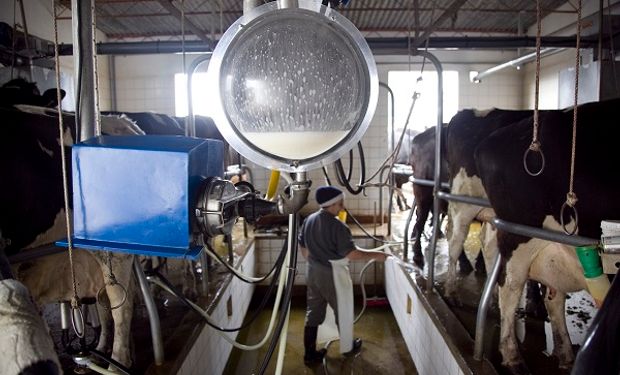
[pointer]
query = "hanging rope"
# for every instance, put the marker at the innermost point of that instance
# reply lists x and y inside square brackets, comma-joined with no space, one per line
[111,280]
[78,327]
[535,146]
[571,197]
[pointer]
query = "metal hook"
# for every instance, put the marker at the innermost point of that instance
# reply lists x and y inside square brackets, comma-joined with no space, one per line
[535,147]
[572,232]
[78,327]
[112,283]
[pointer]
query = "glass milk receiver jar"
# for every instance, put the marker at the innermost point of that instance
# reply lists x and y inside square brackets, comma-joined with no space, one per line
[296,87]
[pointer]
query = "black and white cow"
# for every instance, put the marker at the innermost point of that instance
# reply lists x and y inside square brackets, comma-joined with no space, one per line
[537,201]
[464,132]
[32,214]
[20,91]
[422,161]
[403,157]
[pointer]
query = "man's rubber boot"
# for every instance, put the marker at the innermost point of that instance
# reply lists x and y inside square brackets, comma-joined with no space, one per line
[312,356]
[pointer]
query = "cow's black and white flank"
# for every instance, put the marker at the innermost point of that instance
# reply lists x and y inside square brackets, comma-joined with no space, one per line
[536,201]
[465,131]
[32,214]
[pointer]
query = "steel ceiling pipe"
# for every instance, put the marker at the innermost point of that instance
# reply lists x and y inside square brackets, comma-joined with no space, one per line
[379,46]
[516,63]
[84,63]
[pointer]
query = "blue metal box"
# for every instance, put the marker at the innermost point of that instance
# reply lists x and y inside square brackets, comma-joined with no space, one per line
[137,194]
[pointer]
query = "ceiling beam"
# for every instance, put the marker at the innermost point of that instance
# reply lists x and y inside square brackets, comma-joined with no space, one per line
[239,12]
[167,4]
[449,12]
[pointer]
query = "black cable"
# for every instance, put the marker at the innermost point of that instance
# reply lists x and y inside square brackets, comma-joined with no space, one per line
[364,229]
[329,182]
[111,361]
[292,269]
[248,321]
[233,271]
[350,171]
[278,264]
[342,177]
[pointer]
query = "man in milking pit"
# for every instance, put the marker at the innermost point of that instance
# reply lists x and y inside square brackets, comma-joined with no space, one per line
[328,246]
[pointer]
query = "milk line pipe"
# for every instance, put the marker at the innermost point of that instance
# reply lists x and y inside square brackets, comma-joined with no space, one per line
[483,307]
[151,308]
[406,234]
[393,130]
[391,188]
[476,201]
[190,120]
[543,234]
[293,226]
[431,264]
[431,183]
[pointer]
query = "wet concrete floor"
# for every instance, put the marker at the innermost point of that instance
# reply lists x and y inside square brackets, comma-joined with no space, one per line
[383,350]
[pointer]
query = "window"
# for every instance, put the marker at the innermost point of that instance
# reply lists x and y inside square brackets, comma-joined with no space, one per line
[424,115]
[201,95]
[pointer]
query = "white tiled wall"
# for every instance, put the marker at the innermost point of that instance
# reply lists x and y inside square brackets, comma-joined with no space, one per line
[144,94]
[210,352]
[427,347]
[268,249]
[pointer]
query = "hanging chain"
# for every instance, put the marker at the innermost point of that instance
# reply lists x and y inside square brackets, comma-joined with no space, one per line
[535,146]
[571,196]
[75,300]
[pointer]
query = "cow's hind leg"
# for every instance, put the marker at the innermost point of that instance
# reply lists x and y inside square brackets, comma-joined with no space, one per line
[121,297]
[424,202]
[460,217]
[558,268]
[105,319]
[511,283]
[562,347]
